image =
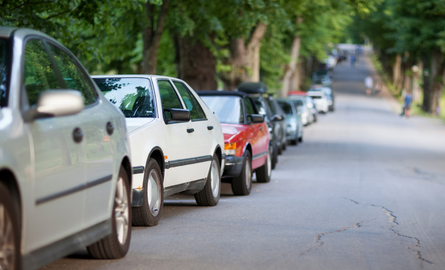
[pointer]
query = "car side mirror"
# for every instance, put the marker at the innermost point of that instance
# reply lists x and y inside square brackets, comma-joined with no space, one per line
[256,118]
[54,103]
[176,115]
[277,117]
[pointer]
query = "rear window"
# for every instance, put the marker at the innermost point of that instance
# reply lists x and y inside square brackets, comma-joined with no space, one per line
[286,107]
[228,109]
[132,95]
[3,71]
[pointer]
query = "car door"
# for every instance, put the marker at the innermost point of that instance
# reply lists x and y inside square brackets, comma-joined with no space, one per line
[97,126]
[179,150]
[259,136]
[58,156]
[201,135]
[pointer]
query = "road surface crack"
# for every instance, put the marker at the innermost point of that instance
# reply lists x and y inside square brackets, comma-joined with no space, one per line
[392,219]
[319,243]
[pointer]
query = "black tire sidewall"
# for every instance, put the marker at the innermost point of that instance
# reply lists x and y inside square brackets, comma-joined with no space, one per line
[7,201]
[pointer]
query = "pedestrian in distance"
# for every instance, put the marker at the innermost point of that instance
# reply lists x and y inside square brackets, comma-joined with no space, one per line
[353,59]
[369,82]
[407,108]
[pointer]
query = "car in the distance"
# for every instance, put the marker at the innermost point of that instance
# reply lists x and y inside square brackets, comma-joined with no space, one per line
[65,171]
[177,144]
[294,130]
[320,100]
[300,102]
[246,139]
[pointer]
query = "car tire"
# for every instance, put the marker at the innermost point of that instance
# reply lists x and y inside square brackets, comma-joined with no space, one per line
[300,139]
[279,150]
[264,173]
[274,152]
[315,119]
[116,245]
[294,142]
[150,212]
[9,232]
[209,195]
[242,184]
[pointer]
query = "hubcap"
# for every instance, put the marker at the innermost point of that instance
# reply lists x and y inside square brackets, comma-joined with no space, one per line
[248,175]
[7,248]
[214,179]
[121,211]
[153,196]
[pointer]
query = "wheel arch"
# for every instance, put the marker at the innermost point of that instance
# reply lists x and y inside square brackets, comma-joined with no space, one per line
[8,179]
[218,153]
[157,154]
[248,147]
[126,163]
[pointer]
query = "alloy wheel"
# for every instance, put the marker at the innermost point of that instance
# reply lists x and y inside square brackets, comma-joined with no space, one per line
[7,245]
[153,198]
[214,179]
[121,211]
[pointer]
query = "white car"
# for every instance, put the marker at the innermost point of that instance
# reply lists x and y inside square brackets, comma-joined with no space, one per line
[300,102]
[177,143]
[65,171]
[320,100]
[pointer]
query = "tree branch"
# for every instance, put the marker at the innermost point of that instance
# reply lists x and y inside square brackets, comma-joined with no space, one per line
[161,21]
[61,13]
[30,3]
[256,36]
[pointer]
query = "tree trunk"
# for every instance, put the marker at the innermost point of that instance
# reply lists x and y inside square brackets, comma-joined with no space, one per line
[243,59]
[437,81]
[415,84]
[426,83]
[195,64]
[152,34]
[396,71]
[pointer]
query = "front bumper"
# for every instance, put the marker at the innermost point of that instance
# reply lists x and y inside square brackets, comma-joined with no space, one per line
[233,166]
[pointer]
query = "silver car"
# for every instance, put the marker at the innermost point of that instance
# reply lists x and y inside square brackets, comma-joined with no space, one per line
[300,102]
[65,172]
[294,121]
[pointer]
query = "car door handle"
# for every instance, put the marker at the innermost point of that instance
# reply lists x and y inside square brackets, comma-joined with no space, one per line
[77,135]
[261,128]
[210,127]
[110,128]
[190,130]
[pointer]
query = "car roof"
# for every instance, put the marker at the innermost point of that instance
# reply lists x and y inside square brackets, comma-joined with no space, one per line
[222,93]
[148,76]
[316,93]
[252,87]
[6,32]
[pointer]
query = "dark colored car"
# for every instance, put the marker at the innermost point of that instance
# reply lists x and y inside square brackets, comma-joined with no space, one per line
[277,110]
[246,138]
[256,91]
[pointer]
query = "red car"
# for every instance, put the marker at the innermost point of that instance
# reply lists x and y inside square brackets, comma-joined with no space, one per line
[246,138]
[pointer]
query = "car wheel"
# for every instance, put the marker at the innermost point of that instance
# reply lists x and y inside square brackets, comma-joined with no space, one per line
[274,153]
[116,245]
[150,212]
[300,139]
[263,173]
[279,149]
[209,195]
[9,232]
[315,118]
[294,142]
[242,184]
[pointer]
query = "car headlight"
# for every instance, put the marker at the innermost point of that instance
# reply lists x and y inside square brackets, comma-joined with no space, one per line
[304,114]
[230,148]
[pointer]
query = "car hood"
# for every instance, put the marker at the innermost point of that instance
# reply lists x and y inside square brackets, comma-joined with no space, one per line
[232,132]
[134,123]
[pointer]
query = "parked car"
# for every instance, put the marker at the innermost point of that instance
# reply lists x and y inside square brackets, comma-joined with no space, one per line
[258,91]
[277,110]
[294,130]
[312,109]
[320,100]
[246,138]
[65,171]
[176,141]
[300,102]
[329,95]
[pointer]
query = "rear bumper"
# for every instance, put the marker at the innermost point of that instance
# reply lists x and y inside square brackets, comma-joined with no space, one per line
[233,166]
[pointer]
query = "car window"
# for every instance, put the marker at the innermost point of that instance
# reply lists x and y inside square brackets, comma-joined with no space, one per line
[229,109]
[248,105]
[39,73]
[190,101]
[286,107]
[169,98]
[262,109]
[3,71]
[299,102]
[73,77]
[131,95]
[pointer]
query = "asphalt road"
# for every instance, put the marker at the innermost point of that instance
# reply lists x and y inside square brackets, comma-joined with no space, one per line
[366,190]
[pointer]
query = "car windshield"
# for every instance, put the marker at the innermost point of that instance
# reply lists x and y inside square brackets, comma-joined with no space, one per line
[229,109]
[131,95]
[286,107]
[3,71]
